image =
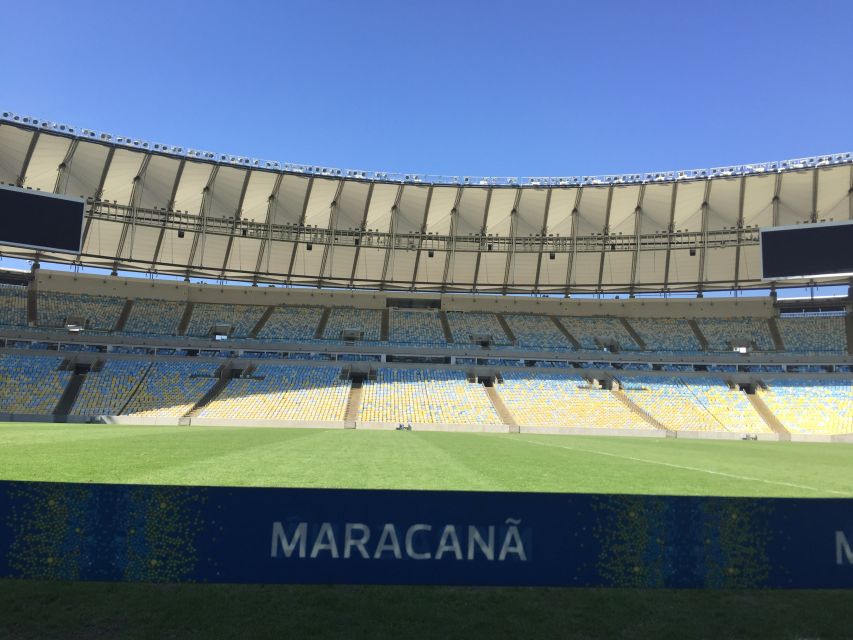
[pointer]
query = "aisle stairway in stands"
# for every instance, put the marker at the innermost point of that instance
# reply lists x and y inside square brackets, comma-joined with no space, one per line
[125,314]
[507,330]
[768,416]
[262,322]
[633,333]
[565,332]
[353,403]
[69,395]
[624,399]
[185,319]
[703,341]
[498,403]
[215,390]
[445,326]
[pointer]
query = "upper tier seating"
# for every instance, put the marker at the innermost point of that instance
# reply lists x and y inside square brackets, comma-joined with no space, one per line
[292,324]
[722,333]
[409,326]
[100,312]
[431,396]
[31,384]
[285,392]
[242,317]
[464,324]
[13,305]
[105,392]
[536,332]
[701,403]
[817,406]
[367,321]
[813,334]
[554,399]
[172,388]
[666,334]
[154,317]
[587,330]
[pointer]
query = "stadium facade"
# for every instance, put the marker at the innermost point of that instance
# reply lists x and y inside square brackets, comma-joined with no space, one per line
[376,304]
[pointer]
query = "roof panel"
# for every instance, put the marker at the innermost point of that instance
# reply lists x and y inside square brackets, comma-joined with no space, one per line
[339,263]
[82,176]
[758,201]
[683,268]
[440,206]
[560,213]
[651,269]
[320,202]
[379,211]
[492,270]
[531,212]
[585,270]
[461,270]
[499,219]
[43,169]
[522,269]
[244,254]
[656,211]
[225,192]
[795,197]
[257,198]
[194,179]
[157,182]
[688,206]
[617,269]
[471,212]
[592,211]
[724,203]
[140,244]
[351,205]
[14,143]
[552,273]
[623,209]
[124,167]
[210,251]
[720,265]
[411,209]
[289,202]
[833,193]
[370,262]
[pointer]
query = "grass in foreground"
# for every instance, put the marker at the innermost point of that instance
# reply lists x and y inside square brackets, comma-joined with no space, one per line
[90,610]
[237,456]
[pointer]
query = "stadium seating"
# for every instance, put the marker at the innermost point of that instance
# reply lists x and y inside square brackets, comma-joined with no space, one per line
[813,334]
[105,392]
[293,324]
[556,399]
[283,392]
[13,305]
[536,332]
[587,330]
[701,403]
[242,317]
[154,317]
[100,312]
[172,388]
[432,396]
[666,334]
[464,324]
[31,384]
[368,321]
[406,326]
[810,405]
[723,333]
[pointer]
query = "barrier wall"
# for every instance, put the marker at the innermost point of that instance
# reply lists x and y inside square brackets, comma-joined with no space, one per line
[252,535]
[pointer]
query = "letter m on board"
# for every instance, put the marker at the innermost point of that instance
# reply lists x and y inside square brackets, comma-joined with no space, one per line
[842,549]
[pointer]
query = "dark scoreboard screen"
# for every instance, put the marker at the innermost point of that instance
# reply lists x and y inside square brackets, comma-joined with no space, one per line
[40,220]
[807,250]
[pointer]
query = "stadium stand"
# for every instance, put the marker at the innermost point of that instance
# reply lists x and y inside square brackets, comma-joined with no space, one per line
[465,324]
[725,333]
[666,334]
[416,327]
[283,392]
[427,396]
[366,321]
[297,324]
[105,392]
[241,317]
[154,317]
[813,333]
[810,405]
[536,332]
[31,384]
[172,388]
[592,332]
[13,305]
[699,403]
[556,399]
[100,312]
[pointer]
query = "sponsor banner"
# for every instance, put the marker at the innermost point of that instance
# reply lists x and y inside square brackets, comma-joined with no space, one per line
[252,535]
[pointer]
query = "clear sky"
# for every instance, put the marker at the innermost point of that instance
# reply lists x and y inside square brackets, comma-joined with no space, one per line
[480,88]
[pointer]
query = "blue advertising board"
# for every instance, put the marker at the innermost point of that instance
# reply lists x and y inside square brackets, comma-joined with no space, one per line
[255,535]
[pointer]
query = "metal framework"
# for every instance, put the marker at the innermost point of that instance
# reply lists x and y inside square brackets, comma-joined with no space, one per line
[159,209]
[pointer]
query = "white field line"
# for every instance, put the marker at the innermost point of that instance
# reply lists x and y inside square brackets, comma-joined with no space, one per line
[683,467]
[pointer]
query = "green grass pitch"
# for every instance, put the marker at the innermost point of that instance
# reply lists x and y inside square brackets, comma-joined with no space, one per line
[417,460]
[237,456]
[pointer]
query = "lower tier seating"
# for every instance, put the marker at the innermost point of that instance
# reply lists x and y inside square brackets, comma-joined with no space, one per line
[283,392]
[31,384]
[694,404]
[816,406]
[552,399]
[172,388]
[432,396]
[105,392]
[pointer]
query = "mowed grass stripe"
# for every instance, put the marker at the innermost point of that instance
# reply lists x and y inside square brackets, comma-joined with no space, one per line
[239,456]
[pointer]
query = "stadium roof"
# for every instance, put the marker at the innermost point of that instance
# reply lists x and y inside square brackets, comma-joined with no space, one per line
[164,209]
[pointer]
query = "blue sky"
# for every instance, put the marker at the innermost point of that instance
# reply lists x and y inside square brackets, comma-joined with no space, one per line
[481,88]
